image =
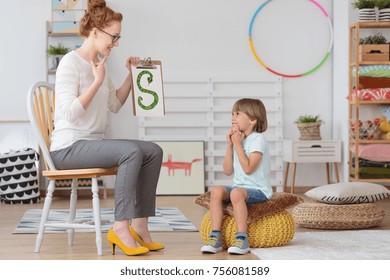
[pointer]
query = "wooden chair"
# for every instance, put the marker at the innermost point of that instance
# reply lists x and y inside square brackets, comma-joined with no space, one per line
[40,107]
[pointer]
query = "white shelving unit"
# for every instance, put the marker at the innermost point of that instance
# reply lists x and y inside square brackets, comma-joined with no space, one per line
[66,17]
[199,109]
[70,40]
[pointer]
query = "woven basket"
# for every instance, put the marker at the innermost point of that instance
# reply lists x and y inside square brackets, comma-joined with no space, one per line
[368,130]
[309,131]
[332,216]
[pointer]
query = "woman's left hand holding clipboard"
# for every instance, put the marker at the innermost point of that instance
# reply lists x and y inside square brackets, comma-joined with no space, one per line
[132,61]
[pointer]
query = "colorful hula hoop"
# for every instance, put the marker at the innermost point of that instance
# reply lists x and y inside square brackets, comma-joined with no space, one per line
[288,75]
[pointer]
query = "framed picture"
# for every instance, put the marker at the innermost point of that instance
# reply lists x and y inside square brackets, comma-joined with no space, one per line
[182,168]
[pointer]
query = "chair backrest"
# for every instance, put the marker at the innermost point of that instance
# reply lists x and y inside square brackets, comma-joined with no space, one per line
[40,108]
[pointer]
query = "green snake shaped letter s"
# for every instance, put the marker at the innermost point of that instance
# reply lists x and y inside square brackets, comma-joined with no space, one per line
[155,96]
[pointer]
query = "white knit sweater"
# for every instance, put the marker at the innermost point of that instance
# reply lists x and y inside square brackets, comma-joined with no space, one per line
[72,122]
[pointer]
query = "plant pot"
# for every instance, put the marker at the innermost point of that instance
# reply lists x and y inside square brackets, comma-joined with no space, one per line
[309,131]
[367,14]
[384,15]
[55,61]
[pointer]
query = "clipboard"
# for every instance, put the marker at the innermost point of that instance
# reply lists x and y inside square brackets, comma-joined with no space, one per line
[147,89]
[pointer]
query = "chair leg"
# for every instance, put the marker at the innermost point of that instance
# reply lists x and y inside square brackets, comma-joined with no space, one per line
[104,192]
[45,215]
[96,215]
[72,209]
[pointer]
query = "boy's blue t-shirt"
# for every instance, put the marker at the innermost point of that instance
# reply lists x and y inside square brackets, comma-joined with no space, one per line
[259,178]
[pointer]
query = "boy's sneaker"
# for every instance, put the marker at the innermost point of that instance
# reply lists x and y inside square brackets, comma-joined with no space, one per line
[240,246]
[214,245]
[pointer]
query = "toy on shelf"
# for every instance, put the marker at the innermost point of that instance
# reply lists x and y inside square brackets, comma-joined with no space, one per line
[368,130]
[384,127]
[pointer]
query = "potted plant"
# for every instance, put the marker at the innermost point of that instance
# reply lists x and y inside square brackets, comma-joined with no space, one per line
[56,53]
[384,10]
[377,39]
[374,48]
[309,127]
[367,11]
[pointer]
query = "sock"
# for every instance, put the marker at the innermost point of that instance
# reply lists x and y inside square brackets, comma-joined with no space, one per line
[215,233]
[241,235]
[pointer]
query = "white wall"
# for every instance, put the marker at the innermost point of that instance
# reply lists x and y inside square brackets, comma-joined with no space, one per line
[23,53]
[192,38]
[22,50]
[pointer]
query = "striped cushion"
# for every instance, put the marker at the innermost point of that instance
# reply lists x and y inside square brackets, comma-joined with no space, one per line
[349,193]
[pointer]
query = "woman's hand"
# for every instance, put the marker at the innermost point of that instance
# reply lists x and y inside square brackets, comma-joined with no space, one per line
[123,91]
[98,70]
[132,61]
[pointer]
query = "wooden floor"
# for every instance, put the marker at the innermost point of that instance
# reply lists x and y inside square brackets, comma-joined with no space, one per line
[178,245]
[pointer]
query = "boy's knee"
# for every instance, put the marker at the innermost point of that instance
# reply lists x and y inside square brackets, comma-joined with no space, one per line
[237,195]
[218,192]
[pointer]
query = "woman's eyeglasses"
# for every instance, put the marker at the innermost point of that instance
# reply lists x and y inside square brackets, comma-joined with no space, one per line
[115,38]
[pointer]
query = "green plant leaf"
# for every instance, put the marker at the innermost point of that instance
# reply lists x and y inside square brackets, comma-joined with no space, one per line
[377,38]
[364,4]
[57,50]
[308,119]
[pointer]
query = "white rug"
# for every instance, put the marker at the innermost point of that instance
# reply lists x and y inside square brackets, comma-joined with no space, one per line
[331,245]
[166,219]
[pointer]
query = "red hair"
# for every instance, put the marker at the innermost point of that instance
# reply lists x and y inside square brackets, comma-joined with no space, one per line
[97,15]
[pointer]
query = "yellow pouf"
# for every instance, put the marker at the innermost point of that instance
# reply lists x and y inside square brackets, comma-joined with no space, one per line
[270,231]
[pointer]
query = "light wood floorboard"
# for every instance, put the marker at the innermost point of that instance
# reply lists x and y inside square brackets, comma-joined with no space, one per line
[179,245]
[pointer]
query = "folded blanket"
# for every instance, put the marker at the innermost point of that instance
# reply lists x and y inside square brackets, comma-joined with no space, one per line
[373,173]
[371,163]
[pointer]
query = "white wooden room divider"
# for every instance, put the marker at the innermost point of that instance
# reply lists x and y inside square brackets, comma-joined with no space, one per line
[199,109]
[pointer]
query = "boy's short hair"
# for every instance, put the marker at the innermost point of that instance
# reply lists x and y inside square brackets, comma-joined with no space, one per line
[255,110]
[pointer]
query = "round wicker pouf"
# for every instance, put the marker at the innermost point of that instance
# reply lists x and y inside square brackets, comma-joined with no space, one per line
[336,216]
[270,231]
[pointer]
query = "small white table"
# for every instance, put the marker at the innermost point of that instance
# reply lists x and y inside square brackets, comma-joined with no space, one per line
[311,151]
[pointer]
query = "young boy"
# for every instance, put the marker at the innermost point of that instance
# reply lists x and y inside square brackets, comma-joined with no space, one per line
[247,157]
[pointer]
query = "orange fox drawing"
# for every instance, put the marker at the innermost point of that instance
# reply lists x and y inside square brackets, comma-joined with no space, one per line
[173,165]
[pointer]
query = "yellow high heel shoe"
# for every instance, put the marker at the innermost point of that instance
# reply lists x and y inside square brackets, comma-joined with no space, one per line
[113,239]
[152,246]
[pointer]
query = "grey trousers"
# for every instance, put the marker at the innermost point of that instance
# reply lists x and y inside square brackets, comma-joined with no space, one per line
[138,162]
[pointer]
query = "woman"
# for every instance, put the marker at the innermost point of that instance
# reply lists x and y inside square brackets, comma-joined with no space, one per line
[84,92]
